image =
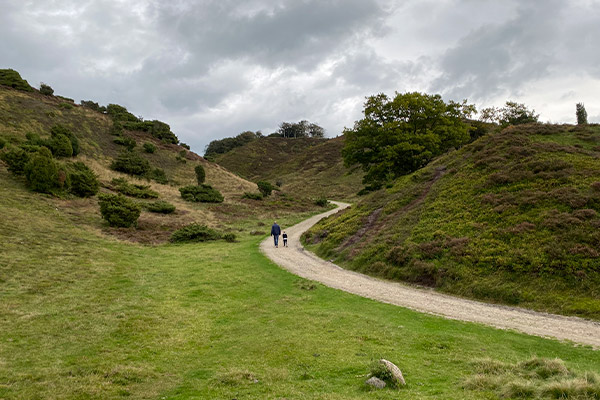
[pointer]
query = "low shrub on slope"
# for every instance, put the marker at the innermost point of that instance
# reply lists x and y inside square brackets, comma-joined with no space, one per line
[511,218]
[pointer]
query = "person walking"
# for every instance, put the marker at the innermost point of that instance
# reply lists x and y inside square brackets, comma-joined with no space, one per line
[284,236]
[275,232]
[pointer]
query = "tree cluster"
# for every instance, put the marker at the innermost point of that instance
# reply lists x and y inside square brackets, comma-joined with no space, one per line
[225,145]
[300,129]
[512,113]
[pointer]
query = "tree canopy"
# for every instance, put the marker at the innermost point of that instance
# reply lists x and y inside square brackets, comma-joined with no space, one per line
[400,135]
[300,129]
[222,146]
[512,113]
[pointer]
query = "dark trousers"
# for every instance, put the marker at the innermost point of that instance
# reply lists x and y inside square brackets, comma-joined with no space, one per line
[285,242]
[276,239]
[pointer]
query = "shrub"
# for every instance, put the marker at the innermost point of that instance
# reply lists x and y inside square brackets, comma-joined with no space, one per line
[92,105]
[229,237]
[252,196]
[160,207]
[200,174]
[202,193]
[46,90]
[57,130]
[120,113]
[158,175]
[16,159]
[126,141]
[265,188]
[140,191]
[149,148]
[321,201]
[61,146]
[194,233]
[581,114]
[116,129]
[84,182]
[118,210]
[185,145]
[66,106]
[11,78]
[42,172]
[131,163]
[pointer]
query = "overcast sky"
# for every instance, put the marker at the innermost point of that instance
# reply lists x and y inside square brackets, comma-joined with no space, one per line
[213,69]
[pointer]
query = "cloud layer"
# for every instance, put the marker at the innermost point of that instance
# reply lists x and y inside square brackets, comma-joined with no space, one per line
[216,68]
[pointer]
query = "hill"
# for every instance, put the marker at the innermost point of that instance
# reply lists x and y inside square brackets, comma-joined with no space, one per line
[28,116]
[510,218]
[308,166]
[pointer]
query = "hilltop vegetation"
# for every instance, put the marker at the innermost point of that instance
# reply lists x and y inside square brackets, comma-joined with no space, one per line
[510,218]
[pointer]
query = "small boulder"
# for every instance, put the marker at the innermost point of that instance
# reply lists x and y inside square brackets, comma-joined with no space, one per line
[375,382]
[395,371]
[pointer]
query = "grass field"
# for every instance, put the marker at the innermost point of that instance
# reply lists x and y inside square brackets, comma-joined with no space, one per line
[84,316]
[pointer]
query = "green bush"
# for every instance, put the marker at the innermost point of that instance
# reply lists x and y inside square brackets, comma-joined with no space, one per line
[140,191]
[46,90]
[202,193]
[252,196]
[321,201]
[158,129]
[66,106]
[16,159]
[149,148]
[194,233]
[42,172]
[57,130]
[126,141]
[118,210]
[161,207]
[61,146]
[116,129]
[158,175]
[83,181]
[265,188]
[229,237]
[185,145]
[120,113]
[11,78]
[2,143]
[200,174]
[92,105]
[131,163]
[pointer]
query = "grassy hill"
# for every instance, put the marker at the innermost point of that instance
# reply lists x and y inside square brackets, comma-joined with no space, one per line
[511,218]
[23,113]
[309,166]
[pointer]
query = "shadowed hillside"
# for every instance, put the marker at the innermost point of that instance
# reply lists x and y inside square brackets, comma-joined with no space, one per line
[511,218]
[309,166]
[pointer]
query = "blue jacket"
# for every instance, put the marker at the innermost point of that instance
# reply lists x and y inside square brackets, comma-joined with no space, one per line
[275,230]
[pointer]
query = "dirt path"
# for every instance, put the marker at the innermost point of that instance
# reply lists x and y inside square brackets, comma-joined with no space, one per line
[307,265]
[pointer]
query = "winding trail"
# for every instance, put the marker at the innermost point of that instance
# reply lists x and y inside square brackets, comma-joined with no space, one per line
[307,265]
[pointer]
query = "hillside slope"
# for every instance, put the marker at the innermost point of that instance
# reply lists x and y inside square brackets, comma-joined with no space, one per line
[511,218]
[22,113]
[308,166]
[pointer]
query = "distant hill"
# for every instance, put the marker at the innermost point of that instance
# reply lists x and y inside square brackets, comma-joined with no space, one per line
[29,112]
[510,218]
[308,166]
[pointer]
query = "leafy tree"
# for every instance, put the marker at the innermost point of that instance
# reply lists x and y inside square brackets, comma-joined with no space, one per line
[42,172]
[512,113]
[84,182]
[57,130]
[200,174]
[11,78]
[400,135]
[118,210]
[46,89]
[300,129]
[581,114]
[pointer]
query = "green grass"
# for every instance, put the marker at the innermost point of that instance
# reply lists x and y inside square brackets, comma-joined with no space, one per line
[85,316]
[514,219]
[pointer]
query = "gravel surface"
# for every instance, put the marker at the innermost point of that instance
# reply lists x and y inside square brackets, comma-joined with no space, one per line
[307,265]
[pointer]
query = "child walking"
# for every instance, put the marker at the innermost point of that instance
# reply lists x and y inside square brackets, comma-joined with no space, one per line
[285,239]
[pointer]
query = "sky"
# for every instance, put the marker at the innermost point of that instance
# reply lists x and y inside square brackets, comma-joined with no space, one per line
[213,69]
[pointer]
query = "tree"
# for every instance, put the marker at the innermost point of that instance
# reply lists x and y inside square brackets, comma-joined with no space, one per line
[200,174]
[46,89]
[300,129]
[400,135]
[581,114]
[225,145]
[512,113]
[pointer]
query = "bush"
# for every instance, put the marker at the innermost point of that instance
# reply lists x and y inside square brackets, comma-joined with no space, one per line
[158,175]
[2,143]
[84,182]
[160,207]
[120,113]
[42,172]
[61,146]
[185,145]
[140,191]
[46,90]
[11,78]
[202,193]
[229,237]
[131,163]
[16,159]
[200,174]
[194,233]
[126,141]
[66,106]
[265,188]
[252,196]
[57,130]
[149,148]
[118,210]
[321,201]
[92,105]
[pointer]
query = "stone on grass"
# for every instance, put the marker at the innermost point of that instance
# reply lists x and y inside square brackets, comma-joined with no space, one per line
[395,371]
[375,382]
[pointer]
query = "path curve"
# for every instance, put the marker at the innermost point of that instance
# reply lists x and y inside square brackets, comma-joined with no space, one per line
[307,265]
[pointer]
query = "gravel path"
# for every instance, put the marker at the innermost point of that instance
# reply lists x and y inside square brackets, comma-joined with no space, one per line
[307,265]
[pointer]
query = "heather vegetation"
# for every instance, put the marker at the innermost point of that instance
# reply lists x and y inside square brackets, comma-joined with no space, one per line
[510,218]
